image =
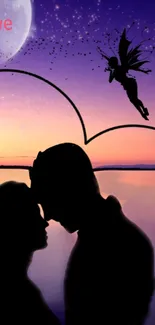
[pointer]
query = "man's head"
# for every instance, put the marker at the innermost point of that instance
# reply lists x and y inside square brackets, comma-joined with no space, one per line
[63,182]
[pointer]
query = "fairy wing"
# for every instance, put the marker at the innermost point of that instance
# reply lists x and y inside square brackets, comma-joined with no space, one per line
[103,54]
[130,58]
[134,63]
[123,50]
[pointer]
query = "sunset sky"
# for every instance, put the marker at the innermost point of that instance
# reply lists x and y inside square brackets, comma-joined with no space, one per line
[35,116]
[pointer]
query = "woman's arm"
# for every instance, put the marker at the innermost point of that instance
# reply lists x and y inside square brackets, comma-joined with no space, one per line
[111,76]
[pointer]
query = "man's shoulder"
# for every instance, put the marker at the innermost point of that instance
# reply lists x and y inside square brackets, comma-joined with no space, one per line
[130,229]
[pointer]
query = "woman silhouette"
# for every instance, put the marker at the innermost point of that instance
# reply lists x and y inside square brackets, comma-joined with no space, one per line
[22,233]
[118,73]
[129,60]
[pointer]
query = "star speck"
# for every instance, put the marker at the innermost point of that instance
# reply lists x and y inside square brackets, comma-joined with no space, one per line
[71,33]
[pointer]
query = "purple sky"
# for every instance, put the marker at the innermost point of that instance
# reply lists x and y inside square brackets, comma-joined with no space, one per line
[62,48]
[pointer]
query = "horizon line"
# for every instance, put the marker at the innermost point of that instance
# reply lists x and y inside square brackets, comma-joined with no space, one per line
[118,167]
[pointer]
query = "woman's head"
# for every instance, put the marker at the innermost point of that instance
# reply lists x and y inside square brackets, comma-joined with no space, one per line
[20,219]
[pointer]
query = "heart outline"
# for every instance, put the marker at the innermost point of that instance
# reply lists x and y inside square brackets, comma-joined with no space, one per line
[86,140]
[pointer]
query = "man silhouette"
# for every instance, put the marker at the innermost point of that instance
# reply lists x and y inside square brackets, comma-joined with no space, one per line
[109,276]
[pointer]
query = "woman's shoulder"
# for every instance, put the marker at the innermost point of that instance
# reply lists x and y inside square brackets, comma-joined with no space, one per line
[43,312]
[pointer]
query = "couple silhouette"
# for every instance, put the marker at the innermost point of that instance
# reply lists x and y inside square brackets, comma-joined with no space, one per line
[109,278]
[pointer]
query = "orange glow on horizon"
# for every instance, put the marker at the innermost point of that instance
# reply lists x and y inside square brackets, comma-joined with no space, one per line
[37,117]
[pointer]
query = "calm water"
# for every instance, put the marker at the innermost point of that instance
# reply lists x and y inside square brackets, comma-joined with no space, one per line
[135,190]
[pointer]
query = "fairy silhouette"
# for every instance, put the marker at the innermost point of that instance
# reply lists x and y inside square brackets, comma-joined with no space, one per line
[129,60]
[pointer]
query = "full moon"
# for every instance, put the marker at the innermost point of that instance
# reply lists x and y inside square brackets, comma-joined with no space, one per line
[19,14]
